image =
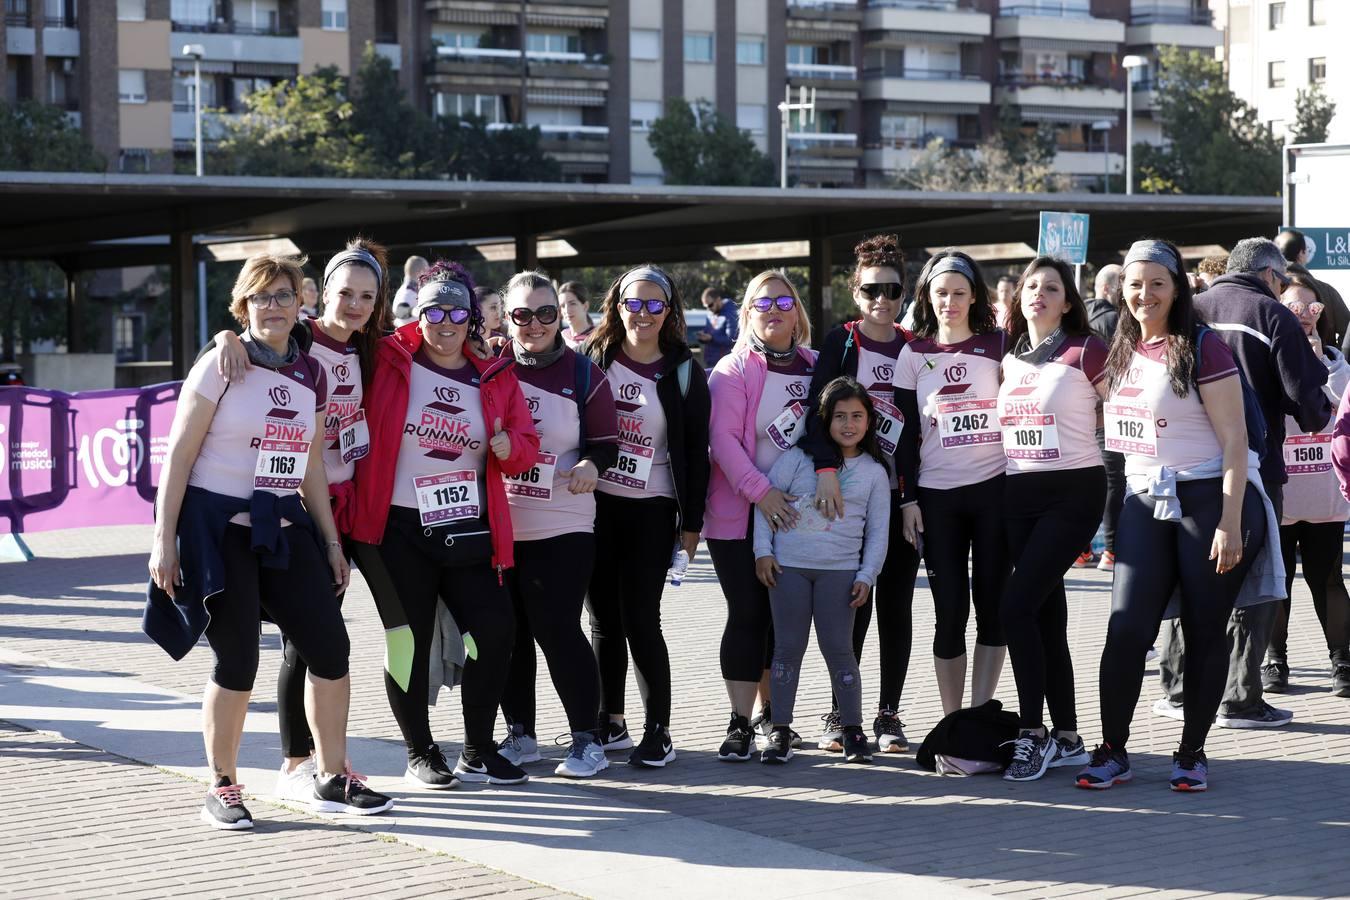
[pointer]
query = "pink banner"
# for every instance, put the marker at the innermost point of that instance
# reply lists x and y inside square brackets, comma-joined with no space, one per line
[80,460]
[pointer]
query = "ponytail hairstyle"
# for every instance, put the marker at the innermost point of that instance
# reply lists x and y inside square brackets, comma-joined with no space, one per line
[380,319]
[845,388]
[981,317]
[1182,321]
[445,270]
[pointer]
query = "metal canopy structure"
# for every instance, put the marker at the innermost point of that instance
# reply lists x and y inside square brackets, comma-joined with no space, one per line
[88,221]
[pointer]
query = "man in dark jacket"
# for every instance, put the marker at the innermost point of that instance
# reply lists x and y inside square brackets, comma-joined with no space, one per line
[1104,308]
[1287,377]
[1295,248]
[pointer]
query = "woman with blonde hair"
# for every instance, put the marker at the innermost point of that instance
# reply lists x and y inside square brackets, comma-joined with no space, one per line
[759,407]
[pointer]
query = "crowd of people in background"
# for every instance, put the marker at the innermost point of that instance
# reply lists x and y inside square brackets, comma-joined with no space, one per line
[495,459]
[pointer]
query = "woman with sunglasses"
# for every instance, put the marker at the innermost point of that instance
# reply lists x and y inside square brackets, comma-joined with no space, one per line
[1054,379]
[759,408]
[951,466]
[649,504]
[1313,520]
[446,429]
[233,541]
[576,314]
[866,349]
[553,519]
[342,340]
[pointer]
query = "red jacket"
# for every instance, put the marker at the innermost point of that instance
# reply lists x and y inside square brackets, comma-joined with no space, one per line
[386,404]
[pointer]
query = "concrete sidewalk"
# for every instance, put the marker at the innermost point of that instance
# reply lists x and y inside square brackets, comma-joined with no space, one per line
[1274,822]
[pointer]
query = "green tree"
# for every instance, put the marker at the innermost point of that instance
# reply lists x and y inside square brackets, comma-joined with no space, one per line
[1214,142]
[402,142]
[1313,112]
[469,149]
[1012,160]
[698,145]
[38,137]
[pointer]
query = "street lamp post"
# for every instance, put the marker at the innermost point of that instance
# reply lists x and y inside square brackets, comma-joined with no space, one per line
[1130,63]
[1104,126]
[785,109]
[197,51]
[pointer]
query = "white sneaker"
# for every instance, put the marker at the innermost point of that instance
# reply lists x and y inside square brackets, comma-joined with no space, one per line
[583,760]
[518,748]
[1163,707]
[297,786]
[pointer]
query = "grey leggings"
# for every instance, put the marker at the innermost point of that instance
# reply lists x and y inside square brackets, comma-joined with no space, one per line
[803,595]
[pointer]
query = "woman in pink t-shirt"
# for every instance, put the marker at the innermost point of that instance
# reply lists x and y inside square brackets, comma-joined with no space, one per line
[759,408]
[1053,384]
[1192,522]
[950,464]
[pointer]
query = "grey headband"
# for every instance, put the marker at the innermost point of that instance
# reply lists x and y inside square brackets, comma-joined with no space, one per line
[441,293]
[952,264]
[355,256]
[1154,252]
[645,273]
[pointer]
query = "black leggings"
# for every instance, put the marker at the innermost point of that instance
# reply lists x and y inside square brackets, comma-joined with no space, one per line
[1154,558]
[960,524]
[548,586]
[634,540]
[480,606]
[747,639]
[1050,515]
[1114,464]
[893,598]
[1320,544]
[299,599]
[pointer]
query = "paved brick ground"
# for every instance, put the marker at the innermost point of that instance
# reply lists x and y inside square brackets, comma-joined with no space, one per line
[1274,823]
[79,822]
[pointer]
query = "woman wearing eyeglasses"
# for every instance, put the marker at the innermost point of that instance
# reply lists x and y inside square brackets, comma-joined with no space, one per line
[234,541]
[649,504]
[446,428]
[553,519]
[759,406]
[867,349]
[951,466]
[343,341]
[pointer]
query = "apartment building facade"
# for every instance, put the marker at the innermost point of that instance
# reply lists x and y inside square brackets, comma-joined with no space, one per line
[888,75]
[1275,48]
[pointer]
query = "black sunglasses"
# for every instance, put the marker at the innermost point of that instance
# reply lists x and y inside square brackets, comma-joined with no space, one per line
[764,304]
[891,290]
[523,315]
[654,307]
[457,315]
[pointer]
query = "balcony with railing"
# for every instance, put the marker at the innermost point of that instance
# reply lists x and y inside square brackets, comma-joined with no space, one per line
[939,18]
[18,16]
[280,28]
[820,150]
[1067,91]
[895,81]
[828,13]
[1157,24]
[1057,20]
[581,150]
[502,60]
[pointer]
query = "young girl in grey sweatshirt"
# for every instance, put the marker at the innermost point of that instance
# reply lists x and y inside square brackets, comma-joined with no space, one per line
[822,570]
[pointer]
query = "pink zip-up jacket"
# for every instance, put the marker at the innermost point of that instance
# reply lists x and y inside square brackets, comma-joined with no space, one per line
[1340,444]
[736,383]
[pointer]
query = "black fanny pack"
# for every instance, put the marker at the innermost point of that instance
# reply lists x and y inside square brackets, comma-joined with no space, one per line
[464,543]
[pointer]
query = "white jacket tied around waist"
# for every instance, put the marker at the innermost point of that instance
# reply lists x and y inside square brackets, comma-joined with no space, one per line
[1265,579]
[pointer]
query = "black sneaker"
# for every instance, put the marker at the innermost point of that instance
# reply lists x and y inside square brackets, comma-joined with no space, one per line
[740,742]
[489,768]
[1275,677]
[614,735]
[224,807]
[347,793]
[777,747]
[889,732]
[1340,678]
[832,733]
[656,749]
[856,749]
[429,771]
[763,723]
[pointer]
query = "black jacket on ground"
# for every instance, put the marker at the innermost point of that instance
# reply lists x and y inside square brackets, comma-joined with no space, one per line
[1274,354]
[686,431]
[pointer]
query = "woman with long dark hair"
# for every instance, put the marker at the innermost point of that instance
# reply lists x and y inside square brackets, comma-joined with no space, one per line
[951,467]
[867,349]
[649,504]
[1196,520]
[1053,383]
